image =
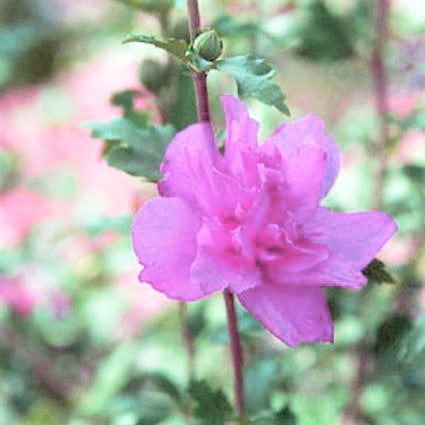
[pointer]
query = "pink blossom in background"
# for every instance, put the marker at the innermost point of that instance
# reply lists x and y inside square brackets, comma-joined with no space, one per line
[16,295]
[20,209]
[411,148]
[402,104]
[251,221]
[46,145]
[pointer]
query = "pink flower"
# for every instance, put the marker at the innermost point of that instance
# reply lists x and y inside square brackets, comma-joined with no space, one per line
[251,221]
[20,209]
[17,296]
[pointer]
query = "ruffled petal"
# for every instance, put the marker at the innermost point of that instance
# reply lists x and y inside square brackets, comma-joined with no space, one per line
[309,131]
[220,264]
[292,314]
[352,240]
[164,239]
[189,164]
[241,141]
[303,174]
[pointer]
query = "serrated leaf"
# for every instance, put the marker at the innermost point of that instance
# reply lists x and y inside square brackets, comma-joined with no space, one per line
[134,149]
[212,406]
[175,46]
[375,271]
[254,78]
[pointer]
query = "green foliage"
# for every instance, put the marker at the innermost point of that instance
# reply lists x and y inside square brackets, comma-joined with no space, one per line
[148,409]
[183,107]
[211,406]
[414,344]
[174,46]
[254,77]
[228,26]
[132,148]
[283,417]
[416,173]
[390,337]
[153,75]
[260,379]
[151,6]
[324,36]
[375,271]
[180,30]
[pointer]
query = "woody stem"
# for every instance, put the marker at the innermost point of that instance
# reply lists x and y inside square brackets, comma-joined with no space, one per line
[200,80]
[236,350]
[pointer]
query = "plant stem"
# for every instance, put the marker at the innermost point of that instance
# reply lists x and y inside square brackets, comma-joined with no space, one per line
[353,412]
[200,78]
[380,83]
[236,350]
[187,339]
[204,115]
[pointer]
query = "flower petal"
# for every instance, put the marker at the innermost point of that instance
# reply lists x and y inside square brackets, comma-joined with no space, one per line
[310,131]
[353,238]
[164,239]
[219,264]
[189,164]
[292,314]
[303,170]
[241,141]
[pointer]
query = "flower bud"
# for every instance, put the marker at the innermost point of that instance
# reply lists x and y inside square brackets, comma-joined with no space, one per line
[208,45]
[180,30]
[153,75]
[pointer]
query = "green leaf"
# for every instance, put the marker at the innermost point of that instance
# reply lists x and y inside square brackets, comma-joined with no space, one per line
[174,46]
[212,406]
[390,335]
[324,36]
[109,379]
[414,344]
[148,409]
[415,172]
[183,109]
[283,417]
[164,384]
[286,417]
[375,271]
[125,99]
[254,77]
[134,149]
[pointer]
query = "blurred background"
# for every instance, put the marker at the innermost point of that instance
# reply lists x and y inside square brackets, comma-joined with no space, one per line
[82,342]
